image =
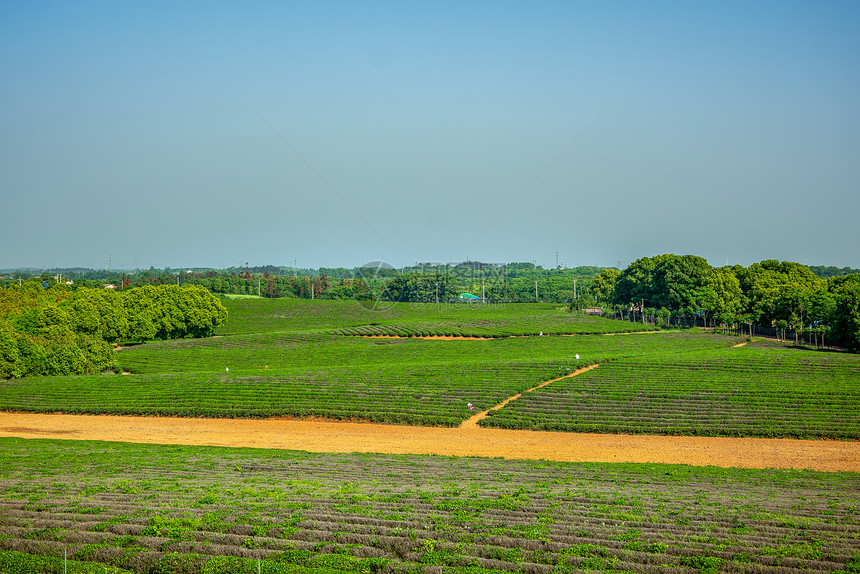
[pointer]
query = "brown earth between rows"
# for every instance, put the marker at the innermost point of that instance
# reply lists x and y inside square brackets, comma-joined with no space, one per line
[472,422]
[347,437]
[428,337]
[466,338]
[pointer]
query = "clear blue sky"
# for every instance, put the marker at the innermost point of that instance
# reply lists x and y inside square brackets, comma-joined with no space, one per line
[335,133]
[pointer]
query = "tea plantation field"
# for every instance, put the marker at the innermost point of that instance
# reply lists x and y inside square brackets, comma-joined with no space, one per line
[465,320]
[175,509]
[384,380]
[302,358]
[760,389]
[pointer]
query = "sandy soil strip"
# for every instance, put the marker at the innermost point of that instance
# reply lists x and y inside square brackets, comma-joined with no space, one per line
[631,333]
[323,436]
[428,337]
[464,338]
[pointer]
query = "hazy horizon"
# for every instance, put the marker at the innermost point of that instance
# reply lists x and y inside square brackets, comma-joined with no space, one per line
[371,264]
[330,134]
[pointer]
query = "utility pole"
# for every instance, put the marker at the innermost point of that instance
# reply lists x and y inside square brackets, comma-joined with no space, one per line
[536,294]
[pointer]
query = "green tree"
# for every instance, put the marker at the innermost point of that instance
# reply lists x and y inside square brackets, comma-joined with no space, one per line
[678,281]
[765,284]
[636,283]
[11,366]
[84,318]
[668,280]
[101,312]
[63,356]
[98,353]
[171,311]
[603,286]
[846,314]
[202,312]
[724,298]
[140,307]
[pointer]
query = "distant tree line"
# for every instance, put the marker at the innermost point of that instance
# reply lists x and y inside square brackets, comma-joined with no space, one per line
[512,282]
[665,289]
[828,272]
[62,329]
[516,282]
[421,283]
[780,294]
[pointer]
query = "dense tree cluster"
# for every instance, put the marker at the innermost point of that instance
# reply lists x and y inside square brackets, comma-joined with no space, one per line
[64,330]
[774,293]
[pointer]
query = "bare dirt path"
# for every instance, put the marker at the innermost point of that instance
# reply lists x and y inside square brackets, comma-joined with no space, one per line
[326,436]
[428,337]
[472,422]
[465,338]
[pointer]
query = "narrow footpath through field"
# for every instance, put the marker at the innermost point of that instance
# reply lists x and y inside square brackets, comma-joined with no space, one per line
[328,436]
[472,422]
